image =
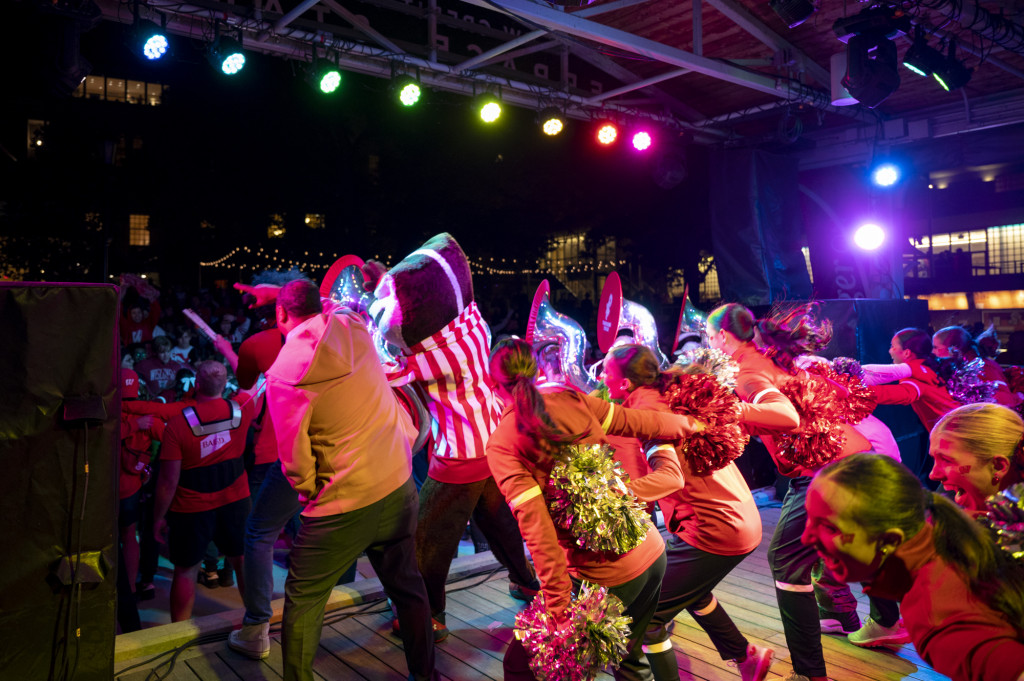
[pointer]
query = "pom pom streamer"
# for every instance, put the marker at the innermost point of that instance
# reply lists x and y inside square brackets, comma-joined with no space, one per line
[821,438]
[967,386]
[587,495]
[714,362]
[859,401]
[1006,519]
[704,397]
[596,636]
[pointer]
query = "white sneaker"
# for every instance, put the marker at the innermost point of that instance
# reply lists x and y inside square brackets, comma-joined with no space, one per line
[755,667]
[252,640]
[874,634]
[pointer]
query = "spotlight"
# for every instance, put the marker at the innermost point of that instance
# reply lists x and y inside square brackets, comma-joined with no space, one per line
[951,73]
[408,90]
[227,55]
[551,121]
[793,12]
[885,174]
[871,74]
[151,40]
[642,140]
[490,108]
[323,76]
[922,58]
[607,132]
[869,237]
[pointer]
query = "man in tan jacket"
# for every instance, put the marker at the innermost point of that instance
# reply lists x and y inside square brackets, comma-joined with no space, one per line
[343,441]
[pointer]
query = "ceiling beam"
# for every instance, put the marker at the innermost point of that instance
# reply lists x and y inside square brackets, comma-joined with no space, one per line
[487,56]
[639,85]
[374,35]
[541,16]
[742,17]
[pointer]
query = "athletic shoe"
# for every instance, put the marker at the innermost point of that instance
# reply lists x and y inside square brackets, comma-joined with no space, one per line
[226,576]
[522,593]
[209,578]
[874,634]
[145,591]
[440,630]
[838,623]
[252,640]
[755,666]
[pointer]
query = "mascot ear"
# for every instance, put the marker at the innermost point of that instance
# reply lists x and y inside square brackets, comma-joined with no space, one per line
[373,270]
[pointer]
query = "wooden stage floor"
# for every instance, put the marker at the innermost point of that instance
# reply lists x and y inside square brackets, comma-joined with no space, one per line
[481,614]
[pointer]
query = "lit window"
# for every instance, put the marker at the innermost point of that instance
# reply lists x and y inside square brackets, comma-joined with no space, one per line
[709,288]
[115,90]
[135,91]
[316,220]
[155,93]
[138,230]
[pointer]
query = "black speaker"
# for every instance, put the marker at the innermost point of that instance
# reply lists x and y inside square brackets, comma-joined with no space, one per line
[59,448]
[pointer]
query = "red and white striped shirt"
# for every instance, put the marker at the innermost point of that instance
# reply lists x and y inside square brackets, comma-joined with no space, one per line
[451,365]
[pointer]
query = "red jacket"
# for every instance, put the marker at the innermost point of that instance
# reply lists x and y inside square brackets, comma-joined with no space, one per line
[953,630]
[924,391]
[714,512]
[767,410]
[521,472]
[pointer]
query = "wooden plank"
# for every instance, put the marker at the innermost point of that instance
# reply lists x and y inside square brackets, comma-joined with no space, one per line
[364,663]
[209,666]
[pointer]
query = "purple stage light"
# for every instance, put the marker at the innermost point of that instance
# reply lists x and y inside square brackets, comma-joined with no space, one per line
[869,237]
[642,140]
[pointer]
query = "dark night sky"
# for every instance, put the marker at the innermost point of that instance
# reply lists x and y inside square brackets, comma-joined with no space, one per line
[234,150]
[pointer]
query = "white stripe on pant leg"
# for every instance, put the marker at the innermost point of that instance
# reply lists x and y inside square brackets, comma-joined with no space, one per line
[658,647]
[708,610]
[800,588]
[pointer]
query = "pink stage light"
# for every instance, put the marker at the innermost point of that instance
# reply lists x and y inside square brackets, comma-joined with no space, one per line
[642,140]
[869,237]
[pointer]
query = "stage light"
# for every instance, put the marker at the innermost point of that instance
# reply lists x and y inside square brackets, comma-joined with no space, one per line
[151,40]
[323,76]
[922,58]
[642,140]
[490,108]
[227,55]
[793,12]
[951,73]
[607,132]
[885,174]
[551,121]
[869,237]
[408,89]
[871,74]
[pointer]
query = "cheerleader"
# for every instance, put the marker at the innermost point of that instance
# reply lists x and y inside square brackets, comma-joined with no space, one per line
[769,413]
[917,371]
[962,597]
[978,450]
[521,452]
[957,343]
[712,525]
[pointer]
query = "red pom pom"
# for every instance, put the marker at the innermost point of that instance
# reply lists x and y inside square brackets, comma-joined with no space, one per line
[821,438]
[702,397]
[859,401]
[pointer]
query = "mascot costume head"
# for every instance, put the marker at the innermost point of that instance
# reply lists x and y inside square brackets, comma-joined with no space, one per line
[422,294]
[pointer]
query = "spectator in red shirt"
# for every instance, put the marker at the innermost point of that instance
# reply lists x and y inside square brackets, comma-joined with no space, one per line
[142,313]
[203,492]
[160,372]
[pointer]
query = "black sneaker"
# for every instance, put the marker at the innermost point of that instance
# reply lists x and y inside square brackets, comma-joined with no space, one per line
[522,593]
[226,576]
[209,579]
[440,630]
